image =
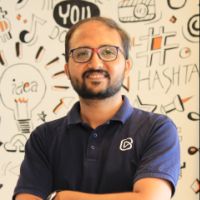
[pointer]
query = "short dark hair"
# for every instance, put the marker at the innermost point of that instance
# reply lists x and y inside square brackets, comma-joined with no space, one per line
[108,22]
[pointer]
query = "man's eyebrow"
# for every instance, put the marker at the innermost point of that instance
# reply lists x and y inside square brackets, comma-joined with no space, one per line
[85,46]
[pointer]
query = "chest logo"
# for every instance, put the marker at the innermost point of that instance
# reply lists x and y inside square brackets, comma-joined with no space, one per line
[126,144]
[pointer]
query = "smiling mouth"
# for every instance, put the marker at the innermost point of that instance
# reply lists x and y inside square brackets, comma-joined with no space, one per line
[96,74]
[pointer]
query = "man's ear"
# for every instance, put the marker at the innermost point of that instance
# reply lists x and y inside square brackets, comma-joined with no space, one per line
[67,70]
[128,66]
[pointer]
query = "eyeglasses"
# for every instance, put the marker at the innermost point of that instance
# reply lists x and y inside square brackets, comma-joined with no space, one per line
[106,53]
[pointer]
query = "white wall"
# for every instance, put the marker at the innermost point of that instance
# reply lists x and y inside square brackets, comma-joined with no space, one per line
[164,78]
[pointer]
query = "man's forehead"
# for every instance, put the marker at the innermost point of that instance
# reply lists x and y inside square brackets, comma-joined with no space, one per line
[90,24]
[92,27]
[97,30]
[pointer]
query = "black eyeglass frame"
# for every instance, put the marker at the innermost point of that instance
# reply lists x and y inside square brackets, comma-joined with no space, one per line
[96,50]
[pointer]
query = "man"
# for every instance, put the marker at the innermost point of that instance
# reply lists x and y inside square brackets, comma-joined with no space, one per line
[104,149]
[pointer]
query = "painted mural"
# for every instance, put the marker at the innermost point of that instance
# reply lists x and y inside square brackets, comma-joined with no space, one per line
[34,88]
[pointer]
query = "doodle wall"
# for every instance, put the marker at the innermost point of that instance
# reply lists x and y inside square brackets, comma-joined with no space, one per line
[164,77]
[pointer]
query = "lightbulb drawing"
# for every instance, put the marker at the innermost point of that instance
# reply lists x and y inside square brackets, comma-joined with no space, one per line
[22,88]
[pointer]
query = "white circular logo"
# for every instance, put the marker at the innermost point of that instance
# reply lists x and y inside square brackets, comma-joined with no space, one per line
[126,144]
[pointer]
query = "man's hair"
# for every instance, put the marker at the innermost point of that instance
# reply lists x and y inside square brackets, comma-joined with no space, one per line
[106,21]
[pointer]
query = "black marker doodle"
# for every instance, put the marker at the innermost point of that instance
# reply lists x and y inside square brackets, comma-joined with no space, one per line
[183,166]
[58,74]
[39,54]
[42,116]
[59,87]
[55,60]
[16,143]
[1,185]
[193,150]
[194,116]
[30,36]
[11,168]
[196,186]
[134,11]
[58,33]
[177,104]
[2,58]
[64,103]
[167,77]
[193,26]
[176,4]
[158,18]
[173,19]
[145,106]
[157,44]
[48,4]
[185,52]
[21,3]
[5,27]
[192,32]
[22,94]
[18,48]
[24,124]
[68,13]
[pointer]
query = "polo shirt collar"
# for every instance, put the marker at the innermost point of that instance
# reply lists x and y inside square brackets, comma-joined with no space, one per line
[73,117]
[122,114]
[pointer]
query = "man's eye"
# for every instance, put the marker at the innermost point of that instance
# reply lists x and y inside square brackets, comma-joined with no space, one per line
[107,52]
[82,54]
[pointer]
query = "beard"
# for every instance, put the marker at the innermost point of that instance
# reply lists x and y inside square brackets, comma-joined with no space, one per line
[86,93]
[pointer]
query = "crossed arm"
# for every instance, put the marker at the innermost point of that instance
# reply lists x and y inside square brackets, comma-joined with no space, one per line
[143,189]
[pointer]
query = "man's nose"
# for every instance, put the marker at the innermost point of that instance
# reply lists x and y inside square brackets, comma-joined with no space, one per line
[95,61]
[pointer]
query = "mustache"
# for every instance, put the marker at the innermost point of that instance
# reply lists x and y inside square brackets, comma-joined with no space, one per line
[101,71]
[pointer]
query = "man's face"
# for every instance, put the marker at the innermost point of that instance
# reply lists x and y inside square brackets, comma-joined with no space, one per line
[96,79]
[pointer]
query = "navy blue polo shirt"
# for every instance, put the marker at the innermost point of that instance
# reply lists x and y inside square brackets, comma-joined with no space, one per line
[67,154]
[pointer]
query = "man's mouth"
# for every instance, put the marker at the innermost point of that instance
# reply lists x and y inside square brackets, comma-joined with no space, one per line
[96,74]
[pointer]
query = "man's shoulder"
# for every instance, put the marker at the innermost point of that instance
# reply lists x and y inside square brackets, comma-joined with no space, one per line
[148,114]
[53,123]
[147,118]
[51,128]
[56,122]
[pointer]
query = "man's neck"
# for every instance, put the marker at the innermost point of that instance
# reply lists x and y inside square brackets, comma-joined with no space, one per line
[97,112]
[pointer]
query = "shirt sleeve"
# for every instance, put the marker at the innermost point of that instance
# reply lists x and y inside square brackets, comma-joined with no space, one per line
[35,172]
[161,155]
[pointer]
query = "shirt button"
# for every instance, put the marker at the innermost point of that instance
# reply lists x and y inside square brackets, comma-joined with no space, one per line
[95,135]
[92,147]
